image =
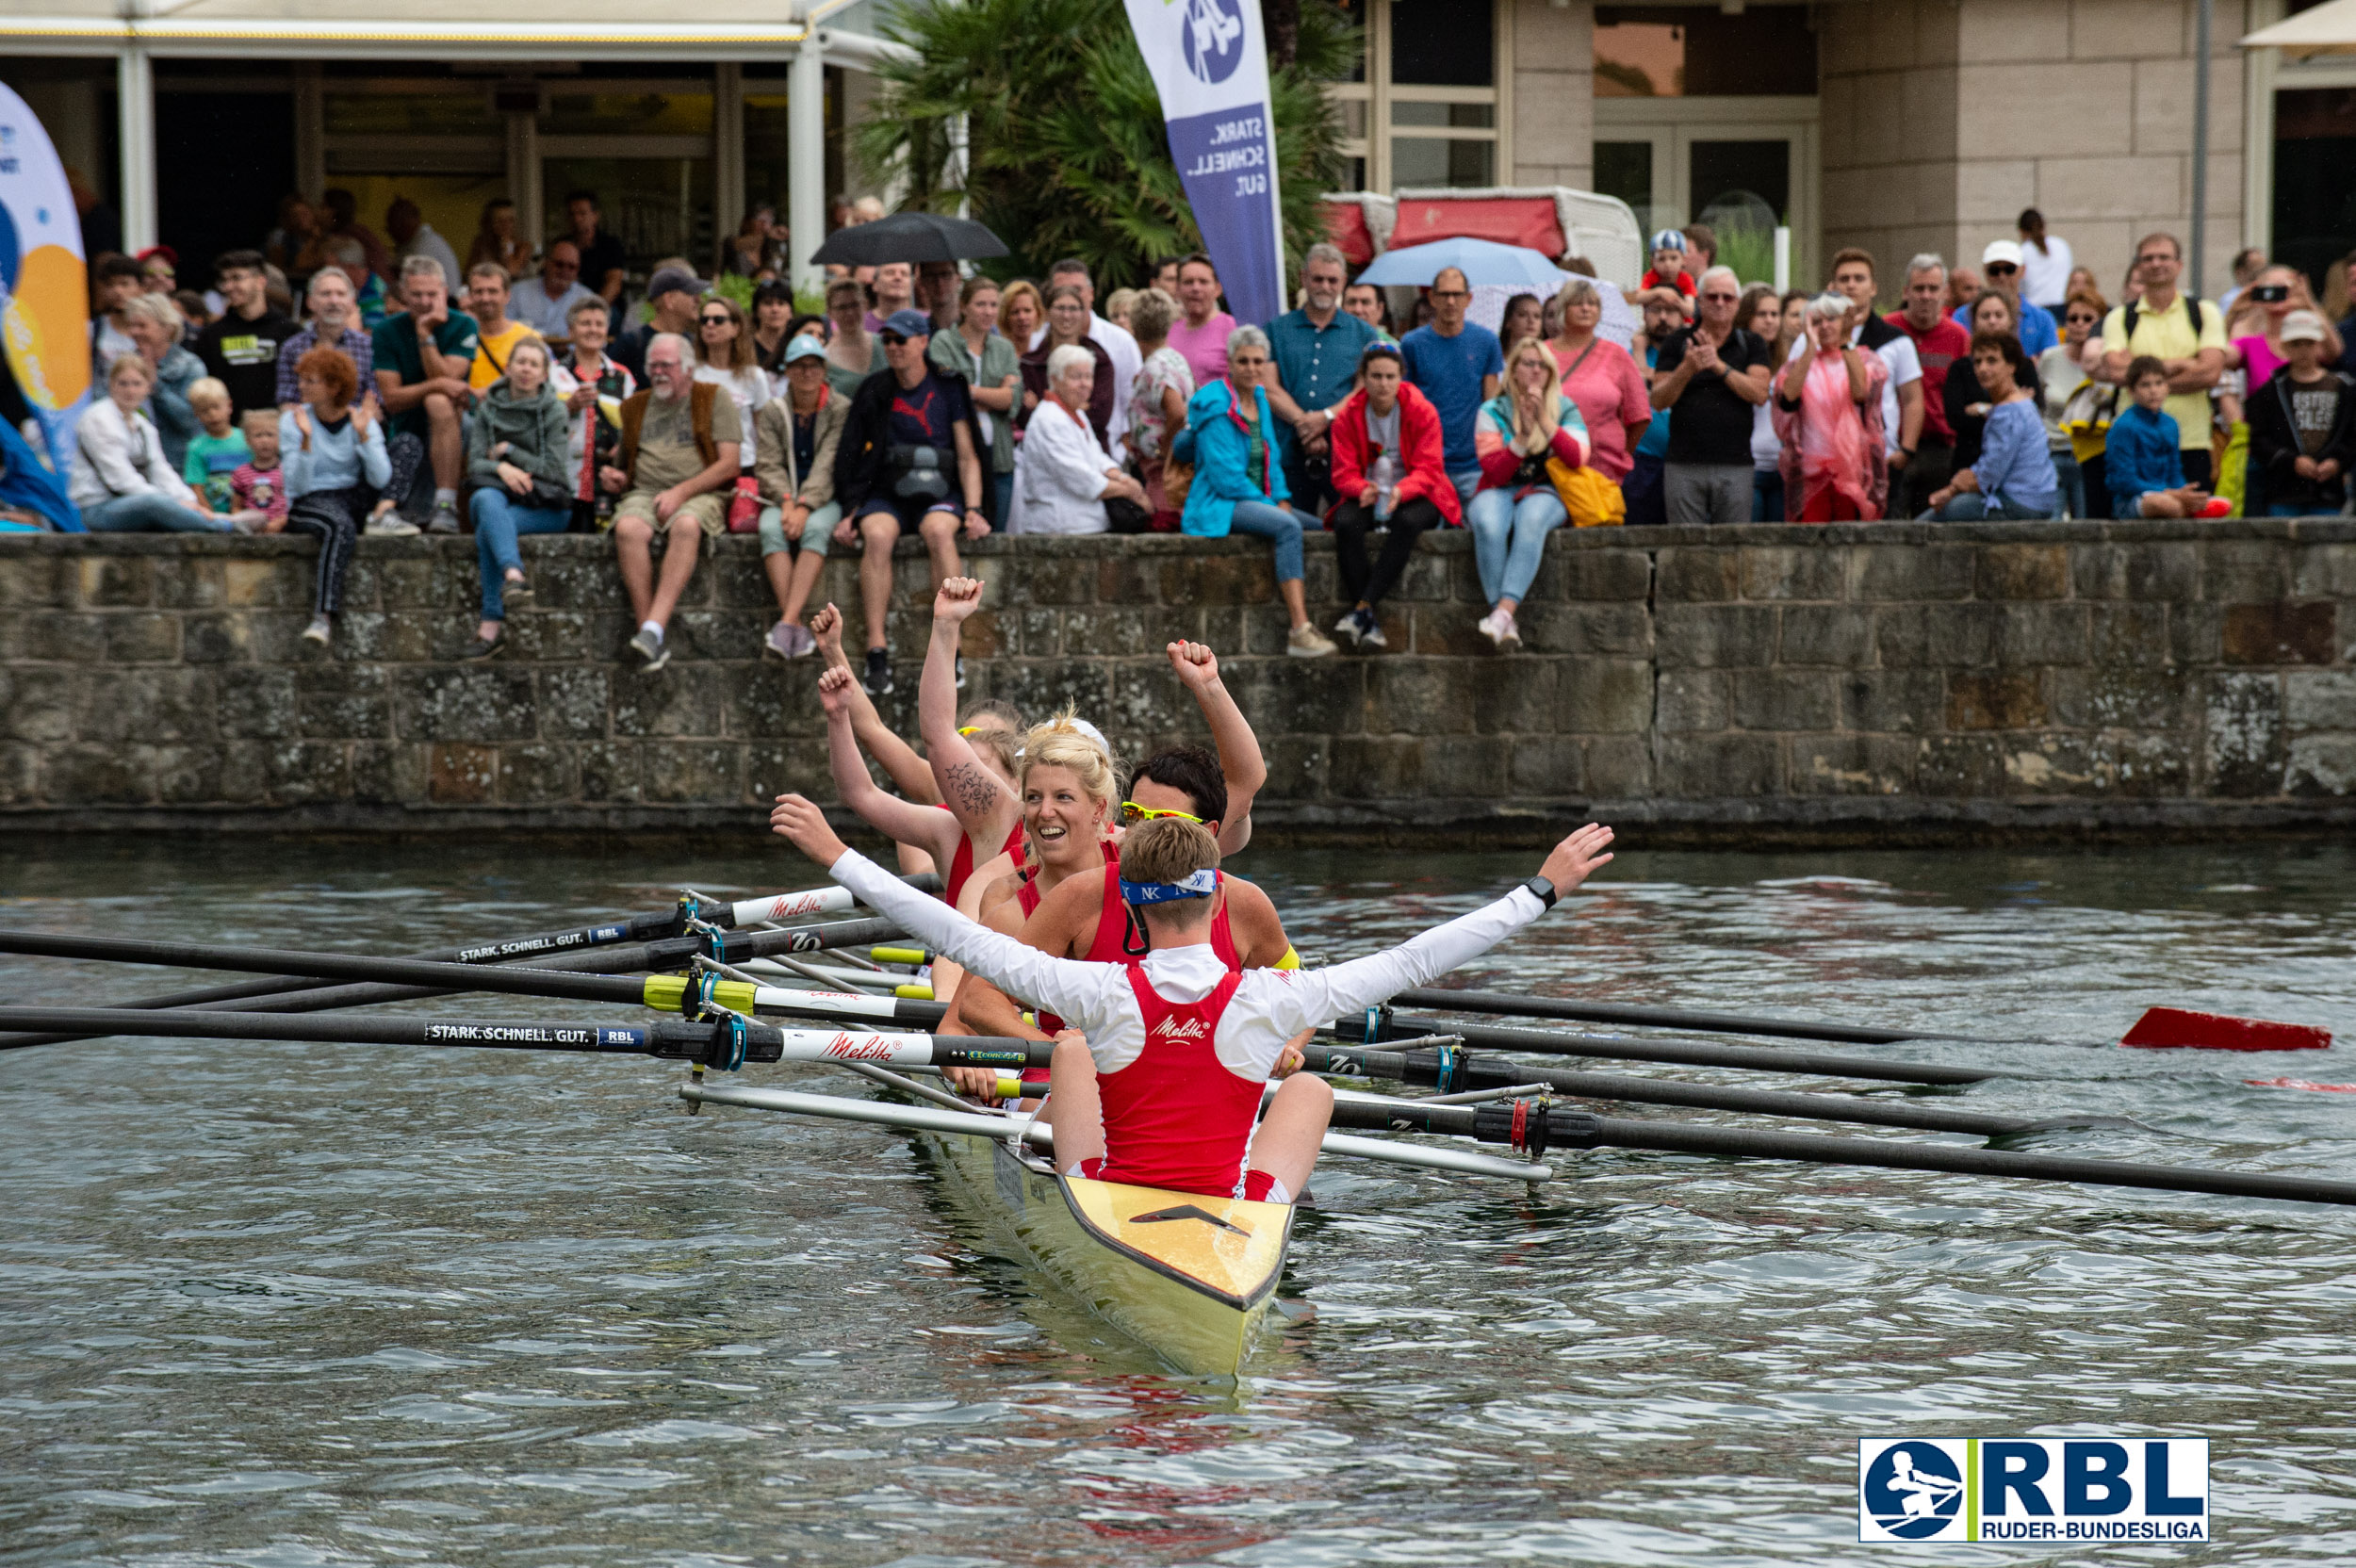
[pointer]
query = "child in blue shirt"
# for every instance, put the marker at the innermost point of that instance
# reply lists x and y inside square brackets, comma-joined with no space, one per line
[218,453]
[2142,459]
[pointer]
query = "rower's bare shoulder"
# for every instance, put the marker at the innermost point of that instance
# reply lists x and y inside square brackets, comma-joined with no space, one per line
[1001,909]
[1260,930]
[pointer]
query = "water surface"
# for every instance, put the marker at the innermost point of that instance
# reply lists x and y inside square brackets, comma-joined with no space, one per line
[304,1305]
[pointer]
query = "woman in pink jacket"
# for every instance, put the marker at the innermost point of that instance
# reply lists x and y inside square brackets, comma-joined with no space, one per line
[1389,473]
[1516,434]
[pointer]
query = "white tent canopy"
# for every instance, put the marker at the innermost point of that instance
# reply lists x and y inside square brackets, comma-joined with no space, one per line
[2328,28]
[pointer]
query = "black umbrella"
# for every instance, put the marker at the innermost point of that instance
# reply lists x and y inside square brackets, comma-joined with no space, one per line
[908,237]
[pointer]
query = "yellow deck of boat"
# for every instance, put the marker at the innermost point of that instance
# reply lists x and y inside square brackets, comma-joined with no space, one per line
[1188,1275]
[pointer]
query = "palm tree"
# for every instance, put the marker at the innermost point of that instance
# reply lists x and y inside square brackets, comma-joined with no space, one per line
[1066,151]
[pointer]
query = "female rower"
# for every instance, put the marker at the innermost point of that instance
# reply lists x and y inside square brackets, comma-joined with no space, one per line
[988,752]
[1158,1081]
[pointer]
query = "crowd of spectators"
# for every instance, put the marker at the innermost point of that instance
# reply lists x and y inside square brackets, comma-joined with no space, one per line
[337,384]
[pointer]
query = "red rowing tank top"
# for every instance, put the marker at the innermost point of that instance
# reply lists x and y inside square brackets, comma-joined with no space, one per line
[961,863]
[1112,934]
[1177,1116]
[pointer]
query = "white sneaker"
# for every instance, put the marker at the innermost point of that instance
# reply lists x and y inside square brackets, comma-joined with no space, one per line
[1348,625]
[1492,624]
[1307,642]
[1509,635]
[390,526]
[320,630]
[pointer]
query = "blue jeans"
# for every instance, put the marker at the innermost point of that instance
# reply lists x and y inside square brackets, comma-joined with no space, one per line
[1467,481]
[499,517]
[149,513]
[1280,526]
[1510,539]
[1767,495]
[1972,507]
[2073,482]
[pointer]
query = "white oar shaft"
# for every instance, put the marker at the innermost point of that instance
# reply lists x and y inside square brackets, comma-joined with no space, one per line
[832,1004]
[925,1118]
[843,1045]
[810,900]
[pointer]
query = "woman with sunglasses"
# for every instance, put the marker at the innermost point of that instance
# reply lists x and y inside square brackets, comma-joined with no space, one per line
[2062,374]
[725,356]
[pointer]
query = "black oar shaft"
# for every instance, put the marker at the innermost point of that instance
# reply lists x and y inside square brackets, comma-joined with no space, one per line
[1665,1018]
[1682,1052]
[1479,1073]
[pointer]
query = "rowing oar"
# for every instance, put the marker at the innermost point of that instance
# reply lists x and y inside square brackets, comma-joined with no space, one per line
[655,991]
[1536,1127]
[2159,1028]
[726,1040]
[663,923]
[1453,1072]
[784,1001]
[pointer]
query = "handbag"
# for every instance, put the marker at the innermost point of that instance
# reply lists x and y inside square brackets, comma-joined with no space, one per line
[1125,516]
[745,505]
[1177,479]
[1592,500]
[549,495]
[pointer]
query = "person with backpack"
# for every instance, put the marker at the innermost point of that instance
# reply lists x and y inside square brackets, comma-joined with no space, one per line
[2186,336]
[679,443]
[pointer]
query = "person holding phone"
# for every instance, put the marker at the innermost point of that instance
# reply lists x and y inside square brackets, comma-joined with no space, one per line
[2253,333]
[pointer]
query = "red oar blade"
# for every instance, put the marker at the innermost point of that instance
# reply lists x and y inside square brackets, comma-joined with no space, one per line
[2175,1028]
[2299,1084]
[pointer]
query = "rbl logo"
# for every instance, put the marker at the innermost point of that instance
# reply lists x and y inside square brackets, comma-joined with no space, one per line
[2033,1489]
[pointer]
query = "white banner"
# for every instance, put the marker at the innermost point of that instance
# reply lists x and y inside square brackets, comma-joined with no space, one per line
[45,294]
[1210,66]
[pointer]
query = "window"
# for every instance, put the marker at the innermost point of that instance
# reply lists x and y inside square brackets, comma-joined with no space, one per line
[1423,107]
[1701,51]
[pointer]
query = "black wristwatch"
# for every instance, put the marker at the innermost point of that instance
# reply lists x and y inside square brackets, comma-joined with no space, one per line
[1544,888]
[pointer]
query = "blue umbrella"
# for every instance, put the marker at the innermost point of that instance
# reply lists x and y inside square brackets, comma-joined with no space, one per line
[1482,261]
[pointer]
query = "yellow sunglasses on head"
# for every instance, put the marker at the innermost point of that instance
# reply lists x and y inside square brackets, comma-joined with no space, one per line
[1131,812]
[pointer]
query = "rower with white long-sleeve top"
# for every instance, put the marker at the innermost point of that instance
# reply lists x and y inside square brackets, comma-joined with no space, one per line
[1159,1073]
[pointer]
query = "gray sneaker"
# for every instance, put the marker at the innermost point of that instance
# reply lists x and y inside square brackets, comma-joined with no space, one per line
[652,649]
[390,526]
[320,630]
[786,639]
[445,520]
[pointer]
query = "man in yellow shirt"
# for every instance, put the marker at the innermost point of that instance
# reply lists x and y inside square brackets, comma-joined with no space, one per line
[2185,335]
[495,337]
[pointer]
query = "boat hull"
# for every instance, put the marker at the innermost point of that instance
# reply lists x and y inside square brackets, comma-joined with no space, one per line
[1189,1276]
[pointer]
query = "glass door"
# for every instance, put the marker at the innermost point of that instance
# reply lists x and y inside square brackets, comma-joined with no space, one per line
[1746,166]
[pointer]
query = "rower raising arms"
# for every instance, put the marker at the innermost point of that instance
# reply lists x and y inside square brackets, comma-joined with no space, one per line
[1243,770]
[900,760]
[928,828]
[1175,1049]
[982,798]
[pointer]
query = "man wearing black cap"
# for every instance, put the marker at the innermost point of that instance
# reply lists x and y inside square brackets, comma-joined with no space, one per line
[892,473]
[671,297]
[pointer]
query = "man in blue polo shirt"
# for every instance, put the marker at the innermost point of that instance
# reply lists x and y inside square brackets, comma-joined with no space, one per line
[1458,365]
[1315,350]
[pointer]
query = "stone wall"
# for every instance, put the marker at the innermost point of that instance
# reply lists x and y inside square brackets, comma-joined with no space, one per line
[1866,682]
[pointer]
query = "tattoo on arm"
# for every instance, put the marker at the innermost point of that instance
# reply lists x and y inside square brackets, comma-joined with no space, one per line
[972,788]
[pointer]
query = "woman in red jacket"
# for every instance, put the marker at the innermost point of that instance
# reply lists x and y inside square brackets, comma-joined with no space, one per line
[1389,473]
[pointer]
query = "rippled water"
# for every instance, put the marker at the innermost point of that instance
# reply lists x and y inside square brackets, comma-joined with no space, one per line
[290,1304]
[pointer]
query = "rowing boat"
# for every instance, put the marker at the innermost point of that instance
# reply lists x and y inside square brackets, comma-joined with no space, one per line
[1186,1275]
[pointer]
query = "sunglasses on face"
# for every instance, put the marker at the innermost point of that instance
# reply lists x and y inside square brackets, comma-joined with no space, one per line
[890,339]
[717,321]
[2000,269]
[1132,813]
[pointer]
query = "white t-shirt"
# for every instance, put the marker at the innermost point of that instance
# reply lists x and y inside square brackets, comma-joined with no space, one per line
[2045,274]
[1898,357]
[1122,349]
[1766,451]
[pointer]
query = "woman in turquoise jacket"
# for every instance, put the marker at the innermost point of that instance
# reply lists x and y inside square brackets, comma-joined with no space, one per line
[1239,479]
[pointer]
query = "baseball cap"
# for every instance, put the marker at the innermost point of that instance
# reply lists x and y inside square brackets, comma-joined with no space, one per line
[804,347]
[670,279]
[908,323]
[2302,326]
[1669,240]
[2001,250]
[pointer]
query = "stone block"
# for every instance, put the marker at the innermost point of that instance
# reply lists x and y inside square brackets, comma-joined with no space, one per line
[2245,571]
[20,774]
[185,775]
[1715,636]
[2122,185]
[76,637]
[2317,571]
[1852,764]
[1605,696]
[1784,699]
[770,699]
[1426,580]
[2281,633]
[341,713]
[1965,766]
[1711,767]
[295,773]
[2148,569]
[1692,701]
[2241,725]
[192,582]
[546,637]
[573,702]
[2196,633]
[610,771]
[1698,572]
[30,581]
[774,767]
[2117,697]
[1793,572]
[474,702]
[257,704]
[1236,578]
[1520,700]
[537,774]
[1907,572]
[1127,631]
[143,637]
[147,705]
[1299,767]
[83,774]
[1043,687]
[2133,634]
[2321,765]
[1583,627]
[270,583]
[2041,635]
[1995,700]
[1903,702]
[1286,696]
[220,637]
[1836,635]
[2319,699]
[1601,574]
[460,774]
[2024,572]
[1617,767]
[1544,765]
[38,705]
[389,772]
[1376,767]
[1930,635]
[118,581]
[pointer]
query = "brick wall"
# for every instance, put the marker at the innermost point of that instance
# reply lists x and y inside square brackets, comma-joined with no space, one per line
[1861,683]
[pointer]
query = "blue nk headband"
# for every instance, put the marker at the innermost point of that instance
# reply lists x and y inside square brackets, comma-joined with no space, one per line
[1201,884]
